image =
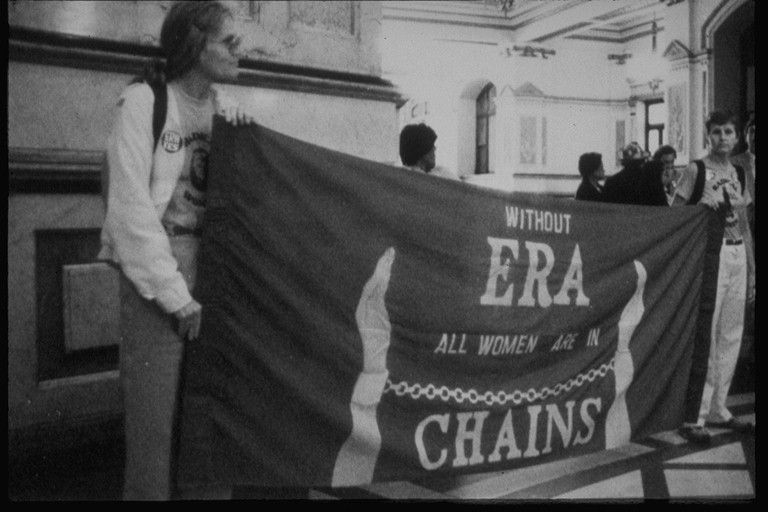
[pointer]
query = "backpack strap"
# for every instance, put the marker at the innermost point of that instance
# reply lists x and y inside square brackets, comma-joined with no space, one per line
[742,177]
[698,186]
[159,113]
[159,109]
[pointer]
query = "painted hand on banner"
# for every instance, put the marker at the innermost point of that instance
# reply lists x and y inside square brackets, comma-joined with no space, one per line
[372,316]
[357,458]
[618,429]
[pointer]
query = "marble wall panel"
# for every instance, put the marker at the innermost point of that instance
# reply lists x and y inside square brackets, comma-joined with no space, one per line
[528,140]
[676,107]
[29,400]
[337,35]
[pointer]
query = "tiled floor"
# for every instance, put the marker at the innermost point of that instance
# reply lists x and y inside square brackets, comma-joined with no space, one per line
[664,466]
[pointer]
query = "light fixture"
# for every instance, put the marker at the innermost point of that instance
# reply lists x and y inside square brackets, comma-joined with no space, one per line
[530,51]
[620,58]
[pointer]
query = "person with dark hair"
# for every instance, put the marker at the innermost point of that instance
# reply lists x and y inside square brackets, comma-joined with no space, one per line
[592,173]
[622,187]
[666,155]
[652,185]
[417,150]
[716,183]
[640,182]
[665,151]
[155,206]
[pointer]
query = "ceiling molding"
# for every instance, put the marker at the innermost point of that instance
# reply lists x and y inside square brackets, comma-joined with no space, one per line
[617,40]
[562,31]
[459,23]
[623,12]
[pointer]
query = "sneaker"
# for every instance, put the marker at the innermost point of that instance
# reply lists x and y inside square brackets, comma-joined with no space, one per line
[695,434]
[736,425]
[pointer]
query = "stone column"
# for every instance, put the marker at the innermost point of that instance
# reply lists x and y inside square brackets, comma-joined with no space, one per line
[632,128]
[700,104]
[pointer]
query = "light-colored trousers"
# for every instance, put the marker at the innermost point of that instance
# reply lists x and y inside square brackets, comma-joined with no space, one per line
[727,328]
[150,360]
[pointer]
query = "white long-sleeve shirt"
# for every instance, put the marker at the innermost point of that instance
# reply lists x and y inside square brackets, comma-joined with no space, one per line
[142,184]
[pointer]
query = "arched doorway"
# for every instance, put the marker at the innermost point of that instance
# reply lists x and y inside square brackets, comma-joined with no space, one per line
[730,35]
[485,110]
[476,148]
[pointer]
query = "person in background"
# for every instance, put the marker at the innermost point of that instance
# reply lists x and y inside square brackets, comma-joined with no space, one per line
[666,155]
[592,173]
[747,162]
[155,207]
[417,150]
[623,186]
[722,191]
[652,185]
[641,182]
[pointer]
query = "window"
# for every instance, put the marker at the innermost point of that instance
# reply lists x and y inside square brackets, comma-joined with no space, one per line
[486,109]
[654,124]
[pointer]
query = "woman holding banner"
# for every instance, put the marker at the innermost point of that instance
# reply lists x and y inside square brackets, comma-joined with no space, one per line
[720,188]
[155,206]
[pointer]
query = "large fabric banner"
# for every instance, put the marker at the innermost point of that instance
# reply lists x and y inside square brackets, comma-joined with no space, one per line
[363,322]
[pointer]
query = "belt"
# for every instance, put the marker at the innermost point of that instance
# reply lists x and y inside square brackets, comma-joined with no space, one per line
[733,242]
[181,230]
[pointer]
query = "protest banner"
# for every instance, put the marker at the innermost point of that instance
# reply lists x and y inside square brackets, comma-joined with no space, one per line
[364,322]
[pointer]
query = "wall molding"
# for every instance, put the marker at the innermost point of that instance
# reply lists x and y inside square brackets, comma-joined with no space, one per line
[56,49]
[615,40]
[547,176]
[572,100]
[55,171]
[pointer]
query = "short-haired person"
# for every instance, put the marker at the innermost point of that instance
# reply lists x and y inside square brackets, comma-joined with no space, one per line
[155,207]
[666,155]
[417,150]
[640,182]
[651,187]
[592,173]
[722,191]
[622,187]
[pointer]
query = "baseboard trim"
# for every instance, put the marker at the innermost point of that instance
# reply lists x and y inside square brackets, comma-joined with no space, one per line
[55,171]
[38,441]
